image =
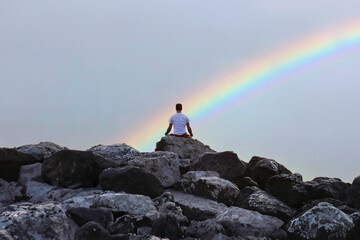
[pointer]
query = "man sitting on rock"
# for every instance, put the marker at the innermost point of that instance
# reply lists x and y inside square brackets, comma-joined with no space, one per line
[179,121]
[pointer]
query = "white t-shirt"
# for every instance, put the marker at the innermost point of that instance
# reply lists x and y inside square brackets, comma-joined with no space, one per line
[179,122]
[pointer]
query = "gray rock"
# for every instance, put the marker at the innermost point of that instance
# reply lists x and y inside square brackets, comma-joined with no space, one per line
[41,150]
[83,215]
[37,191]
[188,180]
[184,147]
[4,235]
[123,224]
[207,229]
[31,172]
[197,208]
[353,194]
[253,198]
[167,226]
[324,187]
[164,198]
[246,182]
[10,192]
[244,223]
[171,209]
[120,153]
[95,231]
[62,194]
[37,221]
[323,221]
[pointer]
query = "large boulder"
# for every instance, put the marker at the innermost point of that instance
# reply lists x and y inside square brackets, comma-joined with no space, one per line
[167,227]
[184,147]
[353,194]
[253,198]
[95,231]
[83,215]
[120,153]
[37,221]
[10,162]
[324,187]
[10,192]
[242,222]
[74,169]
[207,229]
[227,164]
[131,180]
[28,173]
[41,150]
[261,169]
[288,188]
[171,209]
[323,221]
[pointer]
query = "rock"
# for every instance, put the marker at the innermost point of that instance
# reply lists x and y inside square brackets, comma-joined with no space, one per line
[253,198]
[164,198]
[143,231]
[243,223]
[94,231]
[353,194]
[10,192]
[312,203]
[74,169]
[164,165]
[41,150]
[171,209]
[261,169]
[197,208]
[123,224]
[62,194]
[37,191]
[4,235]
[207,229]
[184,147]
[227,164]
[167,226]
[31,172]
[246,182]
[131,180]
[355,232]
[288,188]
[83,215]
[211,187]
[10,162]
[324,187]
[37,221]
[120,153]
[323,221]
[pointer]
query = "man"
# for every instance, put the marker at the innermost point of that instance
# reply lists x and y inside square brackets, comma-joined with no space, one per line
[179,121]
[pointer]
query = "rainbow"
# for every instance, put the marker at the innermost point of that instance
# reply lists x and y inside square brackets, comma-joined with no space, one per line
[258,74]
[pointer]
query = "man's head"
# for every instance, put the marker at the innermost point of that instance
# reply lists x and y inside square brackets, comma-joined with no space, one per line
[178,107]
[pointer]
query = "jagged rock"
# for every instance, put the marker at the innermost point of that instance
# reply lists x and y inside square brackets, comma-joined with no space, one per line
[164,198]
[353,194]
[171,209]
[117,202]
[122,224]
[95,231]
[41,150]
[227,164]
[143,231]
[246,182]
[207,229]
[288,188]
[131,180]
[323,221]
[10,192]
[62,194]
[253,198]
[243,223]
[37,221]
[221,236]
[312,203]
[167,226]
[37,191]
[355,232]
[197,208]
[10,162]
[120,153]
[164,165]
[4,235]
[83,215]
[261,169]
[74,169]
[184,147]
[324,187]
[31,172]
[208,185]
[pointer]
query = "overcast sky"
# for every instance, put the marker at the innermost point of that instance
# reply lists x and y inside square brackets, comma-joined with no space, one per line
[81,73]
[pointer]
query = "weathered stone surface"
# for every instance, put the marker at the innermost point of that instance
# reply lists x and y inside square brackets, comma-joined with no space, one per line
[164,165]
[123,224]
[4,235]
[10,192]
[38,221]
[184,147]
[253,198]
[10,162]
[355,232]
[83,215]
[74,169]
[120,153]
[324,187]
[41,150]
[188,180]
[37,191]
[261,169]
[167,227]
[31,172]
[131,180]
[243,223]
[62,194]
[171,209]
[288,188]
[164,198]
[197,208]
[353,194]
[95,231]
[246,182]
[323,221]
[227,164]
[207,229]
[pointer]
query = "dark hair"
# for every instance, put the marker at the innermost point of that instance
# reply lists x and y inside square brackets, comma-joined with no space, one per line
[178,107]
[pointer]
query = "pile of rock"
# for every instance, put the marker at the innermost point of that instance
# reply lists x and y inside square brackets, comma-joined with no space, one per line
[183,190]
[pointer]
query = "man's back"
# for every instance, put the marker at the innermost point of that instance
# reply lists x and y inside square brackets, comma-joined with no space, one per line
[179,121]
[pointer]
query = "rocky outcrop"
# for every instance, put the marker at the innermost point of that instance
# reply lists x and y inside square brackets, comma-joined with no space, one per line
[353,194]
[324,187]
[41,150]
[120,153]
[186,148]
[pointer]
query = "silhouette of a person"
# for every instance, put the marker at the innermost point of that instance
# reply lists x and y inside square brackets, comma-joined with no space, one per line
[179,121]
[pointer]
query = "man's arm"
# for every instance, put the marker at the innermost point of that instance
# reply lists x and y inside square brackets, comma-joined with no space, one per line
[189,129]
[169,129]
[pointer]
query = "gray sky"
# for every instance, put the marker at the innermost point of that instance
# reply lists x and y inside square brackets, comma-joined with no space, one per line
[80,73]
